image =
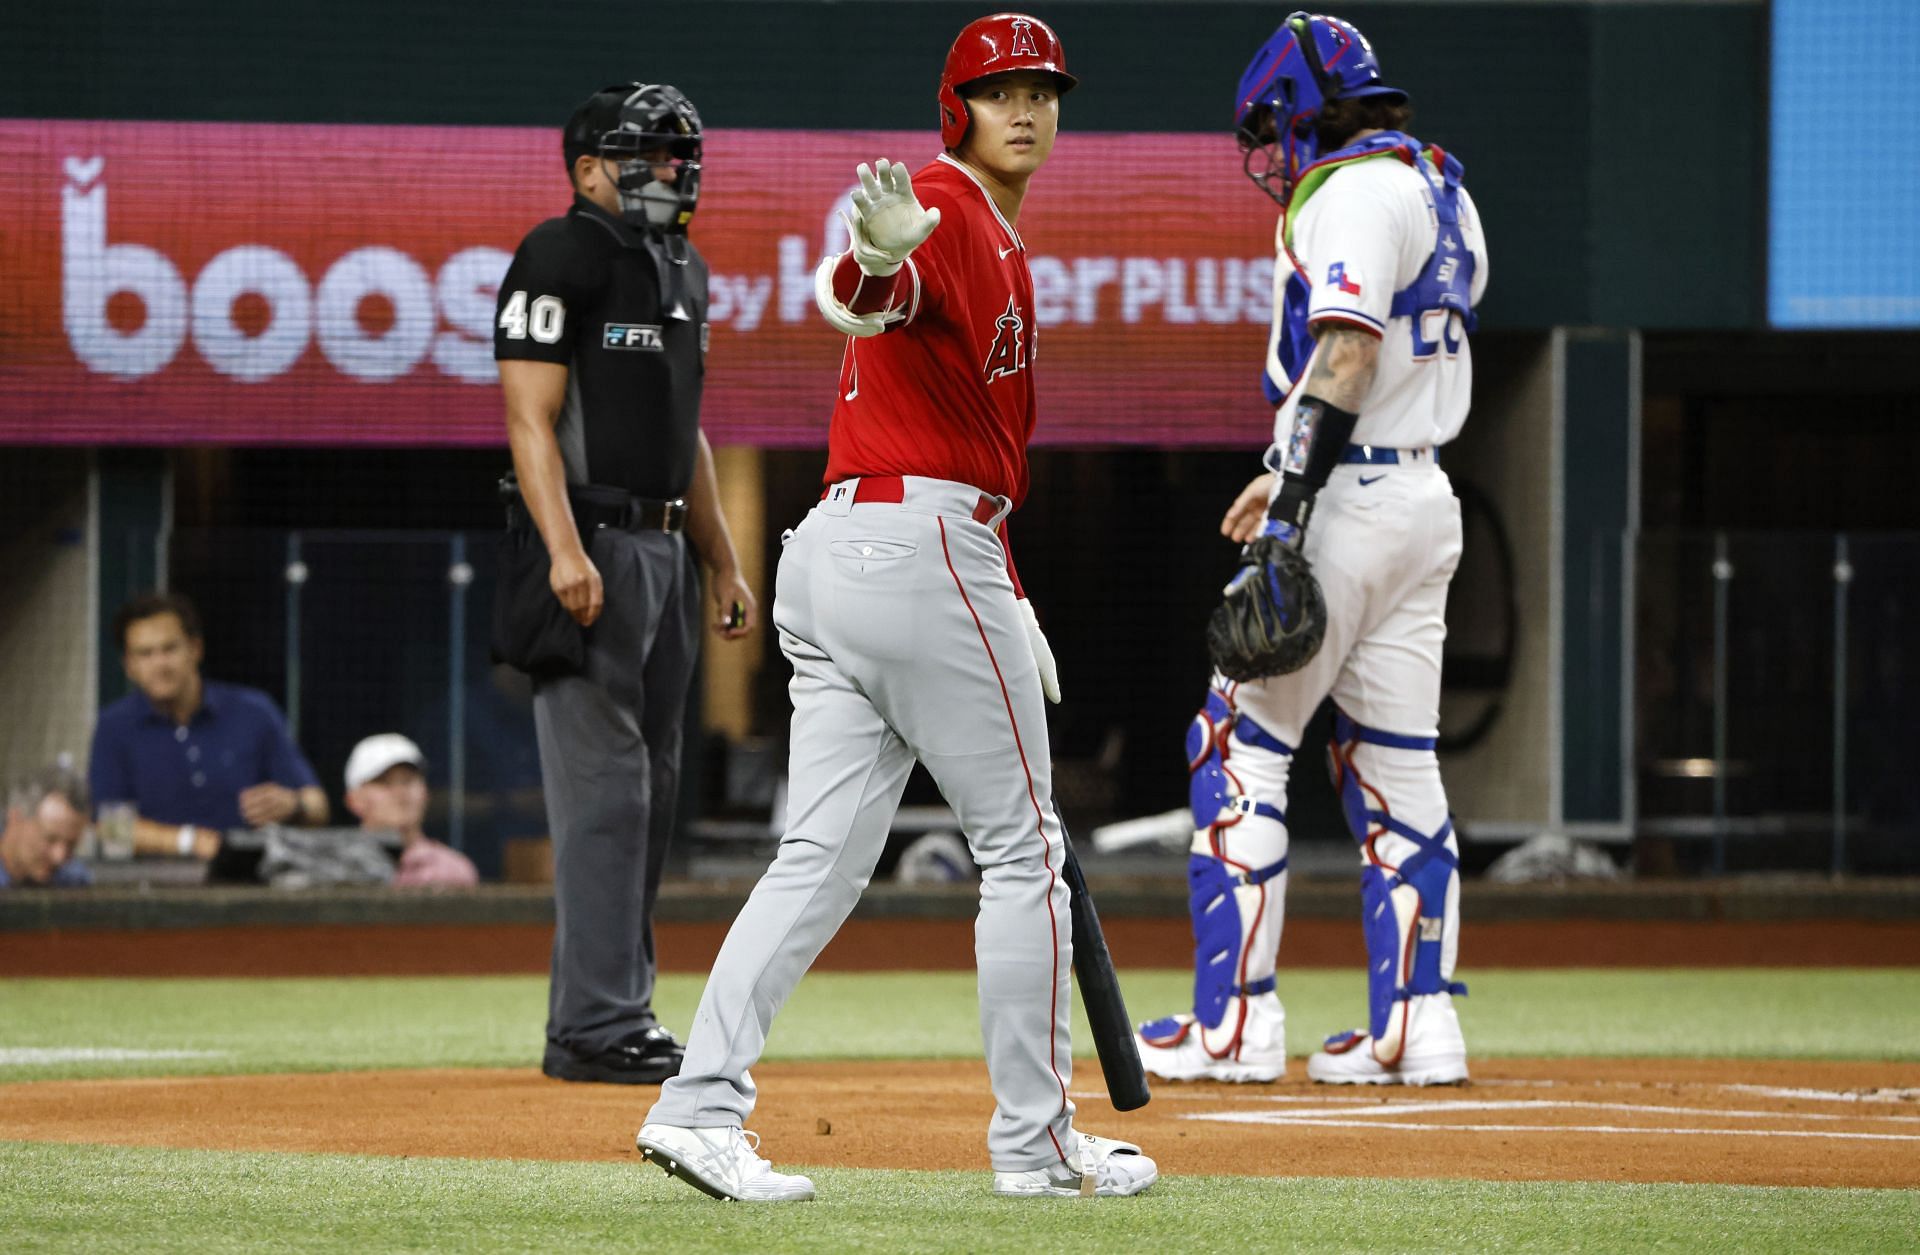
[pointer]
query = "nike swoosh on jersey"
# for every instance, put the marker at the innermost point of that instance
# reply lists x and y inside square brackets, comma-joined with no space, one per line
[1008,249]
[1364,481]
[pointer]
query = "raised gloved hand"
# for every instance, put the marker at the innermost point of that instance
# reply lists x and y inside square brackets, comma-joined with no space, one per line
[1042,652]
[888,221]
[1272,616]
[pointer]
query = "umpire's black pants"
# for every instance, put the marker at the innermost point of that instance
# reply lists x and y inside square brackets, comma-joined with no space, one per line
[610,765]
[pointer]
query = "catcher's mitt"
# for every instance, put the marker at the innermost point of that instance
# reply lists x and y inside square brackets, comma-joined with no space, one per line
[1272,617]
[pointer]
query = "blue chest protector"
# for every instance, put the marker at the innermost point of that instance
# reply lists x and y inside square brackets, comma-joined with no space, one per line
[1445,283]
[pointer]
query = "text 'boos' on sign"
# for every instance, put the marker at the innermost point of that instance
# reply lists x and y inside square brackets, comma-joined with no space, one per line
[344,290]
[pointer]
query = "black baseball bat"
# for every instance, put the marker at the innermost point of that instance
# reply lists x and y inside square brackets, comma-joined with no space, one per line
[1100,991]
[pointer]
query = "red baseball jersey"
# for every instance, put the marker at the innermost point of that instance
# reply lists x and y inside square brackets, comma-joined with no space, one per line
[946,392]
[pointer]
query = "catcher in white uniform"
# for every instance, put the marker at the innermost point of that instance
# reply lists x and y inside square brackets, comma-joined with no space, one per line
[1352,537]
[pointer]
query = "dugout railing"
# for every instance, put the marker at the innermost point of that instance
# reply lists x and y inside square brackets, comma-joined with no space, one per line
[1774,680]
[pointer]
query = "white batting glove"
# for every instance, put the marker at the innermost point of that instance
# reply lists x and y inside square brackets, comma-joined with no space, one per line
[838,316]
[888,222]
[1042,653]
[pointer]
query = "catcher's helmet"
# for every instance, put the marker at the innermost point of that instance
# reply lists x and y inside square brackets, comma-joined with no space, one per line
[1310,60]
[995,45]
[628,123]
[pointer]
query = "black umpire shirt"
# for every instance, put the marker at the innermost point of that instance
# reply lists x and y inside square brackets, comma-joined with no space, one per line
[625,310]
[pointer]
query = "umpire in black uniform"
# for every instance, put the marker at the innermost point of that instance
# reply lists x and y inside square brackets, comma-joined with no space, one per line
[601,336]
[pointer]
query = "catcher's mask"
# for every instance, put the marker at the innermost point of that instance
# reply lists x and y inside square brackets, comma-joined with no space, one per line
[644,129]
[1310,60]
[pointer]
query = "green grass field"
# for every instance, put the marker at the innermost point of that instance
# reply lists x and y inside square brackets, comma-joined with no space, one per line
[412,1022]
[95,1198]
[91,1197]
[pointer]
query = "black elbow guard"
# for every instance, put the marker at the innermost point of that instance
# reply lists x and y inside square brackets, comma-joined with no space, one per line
[1320,434]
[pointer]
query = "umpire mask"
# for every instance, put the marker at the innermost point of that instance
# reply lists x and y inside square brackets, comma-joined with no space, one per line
[652,135]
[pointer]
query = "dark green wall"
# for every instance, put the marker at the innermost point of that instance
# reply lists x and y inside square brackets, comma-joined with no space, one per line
[1596,511]
[1677,127]
[132,494]
[1614,149]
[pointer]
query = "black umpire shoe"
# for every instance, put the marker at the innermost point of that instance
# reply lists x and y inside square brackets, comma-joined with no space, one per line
[645,1058]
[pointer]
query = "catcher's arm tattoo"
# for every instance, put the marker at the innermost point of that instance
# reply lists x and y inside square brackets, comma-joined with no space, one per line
[1344,367]
[1344,363]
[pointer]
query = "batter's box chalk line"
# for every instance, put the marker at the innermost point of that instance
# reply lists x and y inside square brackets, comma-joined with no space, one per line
[1419,1126]
[1890,1094]
[1828,1095]
[1418,1107]
[1391,1115]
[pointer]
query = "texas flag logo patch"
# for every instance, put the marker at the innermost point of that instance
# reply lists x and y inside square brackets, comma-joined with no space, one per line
[1337,277]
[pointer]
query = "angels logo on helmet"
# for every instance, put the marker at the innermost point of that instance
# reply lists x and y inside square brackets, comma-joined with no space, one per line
[1023,38]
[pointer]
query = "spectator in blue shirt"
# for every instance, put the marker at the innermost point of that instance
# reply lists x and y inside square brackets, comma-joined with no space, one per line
[194,756]
[46,816]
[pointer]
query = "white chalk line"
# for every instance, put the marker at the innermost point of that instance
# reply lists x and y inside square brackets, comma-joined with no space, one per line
[1252,1093]
[1389,1106]
[1290,1119]
[31,1056]
[1389,1113]
[1540,1104]
[1829,1095]
[1873,1094]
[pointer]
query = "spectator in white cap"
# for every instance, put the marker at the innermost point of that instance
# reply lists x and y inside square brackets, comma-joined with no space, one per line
[387,790]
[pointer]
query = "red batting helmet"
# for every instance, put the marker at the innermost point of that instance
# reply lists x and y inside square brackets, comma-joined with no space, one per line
[995,45]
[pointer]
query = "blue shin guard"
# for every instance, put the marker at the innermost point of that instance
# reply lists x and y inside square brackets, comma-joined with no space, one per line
[1386,950]
[1403,909]
[1215,796]
[1213,792]
[1219,934]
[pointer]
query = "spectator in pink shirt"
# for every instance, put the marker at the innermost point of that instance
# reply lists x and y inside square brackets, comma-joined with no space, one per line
[387,790]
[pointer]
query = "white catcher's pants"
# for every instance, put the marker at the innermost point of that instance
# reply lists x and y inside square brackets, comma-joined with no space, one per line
[1384,542]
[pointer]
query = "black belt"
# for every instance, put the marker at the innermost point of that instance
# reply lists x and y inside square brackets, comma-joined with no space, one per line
[595,506]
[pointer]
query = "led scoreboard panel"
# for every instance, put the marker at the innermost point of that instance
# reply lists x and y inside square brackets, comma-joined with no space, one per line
[1844,200]
[328,284]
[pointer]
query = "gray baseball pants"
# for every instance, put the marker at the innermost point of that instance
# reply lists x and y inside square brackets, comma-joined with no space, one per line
[610,766]
[906,644]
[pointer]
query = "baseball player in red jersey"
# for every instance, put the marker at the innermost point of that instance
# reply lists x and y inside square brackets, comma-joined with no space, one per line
[898,608]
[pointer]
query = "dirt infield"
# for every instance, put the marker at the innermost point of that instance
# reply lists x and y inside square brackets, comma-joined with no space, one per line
[1759,1123]
[885,944]
[1765,1123]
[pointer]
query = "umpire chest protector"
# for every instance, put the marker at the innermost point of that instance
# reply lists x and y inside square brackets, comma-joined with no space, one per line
[625,310]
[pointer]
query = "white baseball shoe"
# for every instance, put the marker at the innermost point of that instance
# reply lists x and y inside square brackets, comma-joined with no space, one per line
[723,1162]
[1180,1048]
[1435,1053]
[1100,1167]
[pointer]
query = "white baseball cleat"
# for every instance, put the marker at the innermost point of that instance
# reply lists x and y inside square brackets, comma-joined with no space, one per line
[1434,1054]
[1348,1060]
[1177,1048]
[722,1162]
[1100,1167]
